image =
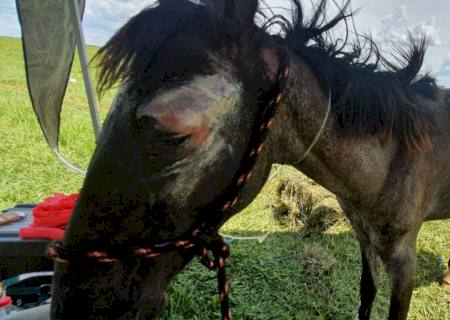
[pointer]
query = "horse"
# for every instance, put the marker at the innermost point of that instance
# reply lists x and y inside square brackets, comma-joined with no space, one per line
[208,100]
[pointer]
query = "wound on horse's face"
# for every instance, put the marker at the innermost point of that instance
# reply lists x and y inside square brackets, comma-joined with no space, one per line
[190,110]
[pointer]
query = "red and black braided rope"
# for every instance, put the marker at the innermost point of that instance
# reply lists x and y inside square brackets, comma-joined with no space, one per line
[206,239]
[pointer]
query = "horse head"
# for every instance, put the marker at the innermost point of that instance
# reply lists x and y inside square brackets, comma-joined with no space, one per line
[192,80]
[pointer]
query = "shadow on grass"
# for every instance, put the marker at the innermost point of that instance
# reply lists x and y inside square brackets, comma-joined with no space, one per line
[288,277]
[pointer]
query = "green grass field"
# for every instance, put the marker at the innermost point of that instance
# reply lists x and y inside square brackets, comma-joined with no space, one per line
[288,276]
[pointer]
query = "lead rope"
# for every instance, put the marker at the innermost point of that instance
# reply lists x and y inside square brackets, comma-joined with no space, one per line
[206,238]
[221,252]
[230,197]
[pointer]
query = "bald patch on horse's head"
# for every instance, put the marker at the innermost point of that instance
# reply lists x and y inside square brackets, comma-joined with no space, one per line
[180,115]
[191,109]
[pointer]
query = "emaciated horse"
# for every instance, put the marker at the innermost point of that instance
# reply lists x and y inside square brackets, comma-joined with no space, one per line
[194,78]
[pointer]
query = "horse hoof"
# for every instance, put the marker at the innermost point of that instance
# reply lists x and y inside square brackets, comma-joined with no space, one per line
[446,282]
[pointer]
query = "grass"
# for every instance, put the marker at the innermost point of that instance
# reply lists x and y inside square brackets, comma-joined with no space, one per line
[288,276]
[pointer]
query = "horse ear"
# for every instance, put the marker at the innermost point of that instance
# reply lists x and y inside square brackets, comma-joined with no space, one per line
[242,11]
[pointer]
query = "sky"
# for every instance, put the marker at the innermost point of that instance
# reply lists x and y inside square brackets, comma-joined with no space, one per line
[387,20]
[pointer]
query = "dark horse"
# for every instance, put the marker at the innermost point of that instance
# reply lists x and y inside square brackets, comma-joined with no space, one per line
[193,77]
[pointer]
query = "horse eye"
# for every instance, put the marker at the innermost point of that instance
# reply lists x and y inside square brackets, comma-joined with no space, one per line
[167,147]
[176,141]
[169,141]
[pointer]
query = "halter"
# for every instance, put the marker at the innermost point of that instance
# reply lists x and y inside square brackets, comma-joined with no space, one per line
[205,238]
[319,133]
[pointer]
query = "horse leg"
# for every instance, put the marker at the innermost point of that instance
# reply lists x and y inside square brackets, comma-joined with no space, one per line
[399,258]
[369,280]
[370,263]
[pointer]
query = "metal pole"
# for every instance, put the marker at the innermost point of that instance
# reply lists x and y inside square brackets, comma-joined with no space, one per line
[82,53]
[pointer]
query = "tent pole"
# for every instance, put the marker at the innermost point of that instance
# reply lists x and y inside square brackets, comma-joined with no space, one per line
[82,53]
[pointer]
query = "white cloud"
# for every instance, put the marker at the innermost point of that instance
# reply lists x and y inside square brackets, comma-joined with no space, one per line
[429,29]
[395,28]
[104,17]
[445,67]
[101,18]
[9,22]
[444,81]
[444,72]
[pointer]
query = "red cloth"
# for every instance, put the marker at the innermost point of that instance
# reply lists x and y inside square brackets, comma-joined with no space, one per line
[5,301]
[50,217]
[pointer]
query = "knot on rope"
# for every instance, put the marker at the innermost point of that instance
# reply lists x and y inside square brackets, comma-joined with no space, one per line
[220,250]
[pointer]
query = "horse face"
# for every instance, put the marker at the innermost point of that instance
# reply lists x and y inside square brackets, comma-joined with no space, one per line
[171,144]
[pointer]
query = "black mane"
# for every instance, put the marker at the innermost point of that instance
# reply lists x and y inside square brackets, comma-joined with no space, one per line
[173,39]
[133,54]
[371,95]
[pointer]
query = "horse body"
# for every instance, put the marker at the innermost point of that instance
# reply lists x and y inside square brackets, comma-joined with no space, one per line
[179,128]
[386,190]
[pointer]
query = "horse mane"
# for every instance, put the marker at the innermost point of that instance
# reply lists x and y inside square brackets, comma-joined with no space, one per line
[371,95]
[133,55]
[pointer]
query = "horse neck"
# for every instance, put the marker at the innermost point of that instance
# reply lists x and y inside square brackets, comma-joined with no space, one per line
[300,116]
[336,162]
